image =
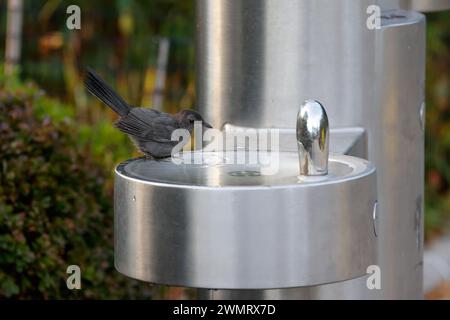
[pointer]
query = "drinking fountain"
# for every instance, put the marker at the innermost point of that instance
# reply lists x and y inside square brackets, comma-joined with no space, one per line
[224,224]
[343,101]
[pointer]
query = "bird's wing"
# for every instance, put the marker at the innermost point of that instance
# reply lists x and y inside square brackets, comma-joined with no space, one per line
[148,125]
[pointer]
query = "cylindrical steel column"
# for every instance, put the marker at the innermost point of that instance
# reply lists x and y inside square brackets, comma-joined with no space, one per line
[258,60]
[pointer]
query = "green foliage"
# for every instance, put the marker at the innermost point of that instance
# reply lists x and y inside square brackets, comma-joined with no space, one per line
[437,197]
[55,206]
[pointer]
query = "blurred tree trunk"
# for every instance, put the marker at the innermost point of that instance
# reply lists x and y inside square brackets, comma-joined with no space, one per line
[161,70]
[13,35]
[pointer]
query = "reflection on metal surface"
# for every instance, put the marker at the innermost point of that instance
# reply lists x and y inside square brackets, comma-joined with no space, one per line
[375,216]
[312,139]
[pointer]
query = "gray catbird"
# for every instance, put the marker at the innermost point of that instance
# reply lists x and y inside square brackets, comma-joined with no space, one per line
[149,129]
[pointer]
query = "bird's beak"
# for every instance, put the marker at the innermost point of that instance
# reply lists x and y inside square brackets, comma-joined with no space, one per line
[207,125]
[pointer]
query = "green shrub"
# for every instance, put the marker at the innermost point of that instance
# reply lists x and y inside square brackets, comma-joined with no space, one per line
[55,207]
[437,133]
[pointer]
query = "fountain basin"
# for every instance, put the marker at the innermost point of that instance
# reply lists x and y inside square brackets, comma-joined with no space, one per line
[231,226]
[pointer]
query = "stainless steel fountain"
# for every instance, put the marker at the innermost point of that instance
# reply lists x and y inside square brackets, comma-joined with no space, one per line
[219,224]
[311,228]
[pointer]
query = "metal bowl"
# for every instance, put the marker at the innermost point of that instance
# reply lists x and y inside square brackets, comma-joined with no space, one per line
[221,225]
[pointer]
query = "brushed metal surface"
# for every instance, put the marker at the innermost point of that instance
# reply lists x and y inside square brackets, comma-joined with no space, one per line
[396,146]
[212,232]
[350,141]
[258,60]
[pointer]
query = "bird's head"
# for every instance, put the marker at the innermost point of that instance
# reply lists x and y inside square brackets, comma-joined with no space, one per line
[188,118]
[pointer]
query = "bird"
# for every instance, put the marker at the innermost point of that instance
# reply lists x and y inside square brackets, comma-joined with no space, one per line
[149,129]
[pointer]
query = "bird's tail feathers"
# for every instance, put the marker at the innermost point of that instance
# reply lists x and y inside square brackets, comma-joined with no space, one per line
[103,91]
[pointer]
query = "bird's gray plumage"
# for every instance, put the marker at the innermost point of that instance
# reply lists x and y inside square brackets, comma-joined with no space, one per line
[149,129]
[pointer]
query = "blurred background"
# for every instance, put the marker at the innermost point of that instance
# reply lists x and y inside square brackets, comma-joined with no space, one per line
[58,146]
